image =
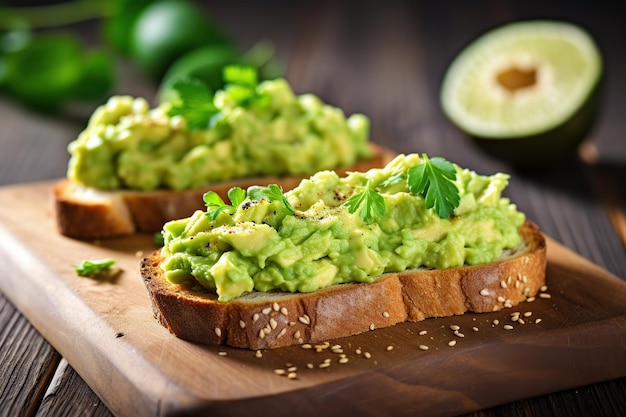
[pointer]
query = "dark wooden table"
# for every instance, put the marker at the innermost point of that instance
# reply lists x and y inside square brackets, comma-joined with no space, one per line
[385,60]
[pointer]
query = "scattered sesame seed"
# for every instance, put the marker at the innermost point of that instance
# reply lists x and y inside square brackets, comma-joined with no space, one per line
[503,284]
[526,291]
[273,323]
[258,354]
[292,369]
[284,311]
[292,375]
[544,295]
[327,360]
[372,327]
[385,314]
[242,324]
[309,365]
[528,314]
[496,322]
[297,335]
[423,347]
[358,351]
[262,333]
[275,306]
[390,347]
[304,319]
[544,288]
[255,317]
[521,321]
[324,365]
[484,292]
[266,310]
[508,327]
[343,360]
[306,346]
[222,353]
[508,304]
[537,321]
[501,299]
[530,299]
[459,334]
[282,332]
[524,278]
[280,371]
[452,343]
[367,355]
[218,332]
[517,284]
[455,327]
[475,328]
[423,332]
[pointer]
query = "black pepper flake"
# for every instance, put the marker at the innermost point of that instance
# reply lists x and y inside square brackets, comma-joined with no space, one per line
[118,335]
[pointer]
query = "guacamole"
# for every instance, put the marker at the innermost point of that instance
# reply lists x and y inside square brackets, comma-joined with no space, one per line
[128,145]
[261,245]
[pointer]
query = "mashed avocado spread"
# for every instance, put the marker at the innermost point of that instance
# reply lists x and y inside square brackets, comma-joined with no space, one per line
[308,238]
[128,145]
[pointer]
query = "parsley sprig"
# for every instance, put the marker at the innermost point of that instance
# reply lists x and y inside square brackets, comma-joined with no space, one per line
[90,268]
[196,99]
[236,195]
[433,179]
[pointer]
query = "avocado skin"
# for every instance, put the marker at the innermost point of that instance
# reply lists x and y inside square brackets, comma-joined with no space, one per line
[556,144]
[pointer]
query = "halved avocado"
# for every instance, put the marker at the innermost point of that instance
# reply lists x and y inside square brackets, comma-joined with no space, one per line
[528,92]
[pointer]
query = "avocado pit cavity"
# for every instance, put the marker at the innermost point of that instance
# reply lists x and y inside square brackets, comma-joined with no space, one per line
[515,78]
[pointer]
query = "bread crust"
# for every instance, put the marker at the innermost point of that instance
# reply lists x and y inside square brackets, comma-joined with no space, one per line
[277,319]
[85,213]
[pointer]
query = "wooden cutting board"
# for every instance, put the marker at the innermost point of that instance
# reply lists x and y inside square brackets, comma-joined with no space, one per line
[106,331]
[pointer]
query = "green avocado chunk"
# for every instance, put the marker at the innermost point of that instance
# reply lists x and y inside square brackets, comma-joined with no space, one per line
[261,246]
[128,145]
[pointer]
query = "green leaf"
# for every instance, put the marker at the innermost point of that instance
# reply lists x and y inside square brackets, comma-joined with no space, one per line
[236,195]
[195,103]
[434,180]
[214,203]
[370,202]
[242,75]
[272,193]
[91,268]
[394,179]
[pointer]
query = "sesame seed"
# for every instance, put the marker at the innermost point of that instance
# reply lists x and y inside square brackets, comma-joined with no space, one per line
[280,371]
[324,365]
[292,369]
[496,322]
[262,334]
[327,360]
[297,335]
[544,295]
[528,314]
[530,299]
[343,360]
[258,354]
[292,375]
[284,311]
[218,332]
[517,284]
[423,347]
[508,304]
[337,350]
[309,365]
[537,321]
[503,284]
[306,346]
[266,310]
[255,317]
[521,321]
[423,332]
[358,351]
[455,327]
[275,306]
[484,292]
[372,327]
[390,347]
[459,334]
[242,324]
[475,328]
[515,316]
[367,355]
[273,323]
[524,278]
[508,327]
[385,314]
[222,353]
[282,332]
[526,291]
[452,343]
[304,319]
[544,288]
[501,299]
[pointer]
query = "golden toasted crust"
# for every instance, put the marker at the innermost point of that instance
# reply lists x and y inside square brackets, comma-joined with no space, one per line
[86,213]
[276,319]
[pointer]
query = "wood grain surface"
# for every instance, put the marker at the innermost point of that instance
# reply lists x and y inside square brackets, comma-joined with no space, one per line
[571,335]
[385,60]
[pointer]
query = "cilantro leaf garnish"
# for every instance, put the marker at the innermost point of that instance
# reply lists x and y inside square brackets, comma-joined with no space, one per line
[272,193]
[88,268]
[243,75]
[195,103]
[214,203]
[371,204]
[434,180]
[393,179]
[241,86]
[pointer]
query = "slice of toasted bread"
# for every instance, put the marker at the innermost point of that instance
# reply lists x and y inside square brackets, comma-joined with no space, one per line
[86,213]
[275,319]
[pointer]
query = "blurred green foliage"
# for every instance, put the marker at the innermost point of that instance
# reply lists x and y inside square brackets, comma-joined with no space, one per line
[44,64]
